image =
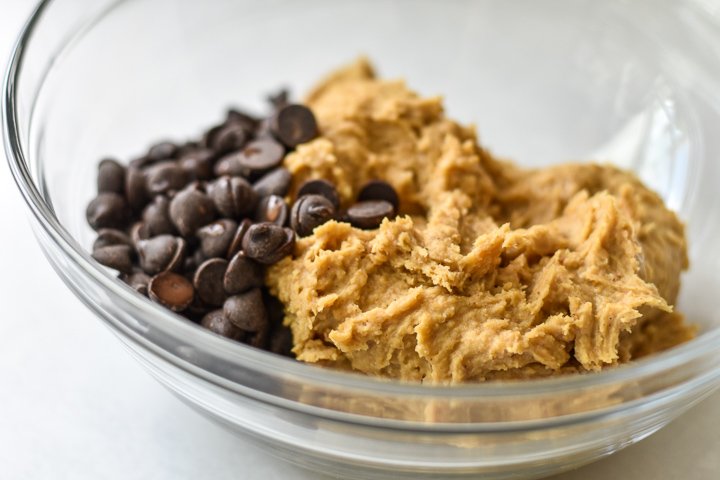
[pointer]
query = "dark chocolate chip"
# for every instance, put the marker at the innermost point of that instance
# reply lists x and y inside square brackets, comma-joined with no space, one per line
[178,260]
[230,165]
[197,164]
[236,244]
[248,121]
[216,322]
[164,177]
[107,210]
[246,311]
[171,290]
[293,125]
[156,217]
[370,213]
[187,148]
[233,197]
[208,137]
[111,177]
[267,243]
[118,257]
[320,187]
[139,231]
[135,190]
[272,209]
[208,281]
[139,163]
[161,253]
[310,211]
[275,182]
[261,155]
[137,280]
[161,151]
[379,190]
[215,237]
[242,274]
[279,99]
[191,209]
[231,136]
[110,236]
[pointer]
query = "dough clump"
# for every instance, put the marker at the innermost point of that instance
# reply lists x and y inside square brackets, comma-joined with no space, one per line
[489,271]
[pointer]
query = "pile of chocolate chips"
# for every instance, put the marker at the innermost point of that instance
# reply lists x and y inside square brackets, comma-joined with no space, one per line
[193,226]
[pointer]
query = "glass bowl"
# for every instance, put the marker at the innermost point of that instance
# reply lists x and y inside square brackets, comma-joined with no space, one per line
[623,82]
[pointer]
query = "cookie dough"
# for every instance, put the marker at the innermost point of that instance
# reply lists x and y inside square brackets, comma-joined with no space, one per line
[490,271]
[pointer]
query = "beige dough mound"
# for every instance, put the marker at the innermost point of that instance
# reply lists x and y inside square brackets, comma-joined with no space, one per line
[489,271]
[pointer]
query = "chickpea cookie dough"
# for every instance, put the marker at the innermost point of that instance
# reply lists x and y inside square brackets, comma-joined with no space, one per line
[490,271]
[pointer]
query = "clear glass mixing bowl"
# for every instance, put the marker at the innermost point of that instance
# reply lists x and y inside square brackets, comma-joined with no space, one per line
[634,83]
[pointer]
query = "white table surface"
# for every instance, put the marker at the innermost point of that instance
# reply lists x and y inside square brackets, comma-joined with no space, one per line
[75,405]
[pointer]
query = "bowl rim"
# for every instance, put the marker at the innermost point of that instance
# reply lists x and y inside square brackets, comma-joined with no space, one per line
[274,364]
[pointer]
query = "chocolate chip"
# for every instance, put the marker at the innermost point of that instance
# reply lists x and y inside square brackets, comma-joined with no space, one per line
[275,182]
[379,190]
[320,187]
[267,243]
[208,281]
[229,137]
[293,125]
[164,177]
[171,290]
[111,177]
[248,121]
[197,164]
[118,257]
[137,280]
[139,231]
[215,237]
[135,191]
[110,236]
[242,274]
[310,211]
[261,155]
[233,197]
[370,213]
[216,322]
[230,165]
[161,253]
[236,244]
[107,210]
[156,217]
[139,163]
[279,99]
[187,148]
[208,137]
[246,311]
[161,151]
[178,260]
[272,209]
[191,209]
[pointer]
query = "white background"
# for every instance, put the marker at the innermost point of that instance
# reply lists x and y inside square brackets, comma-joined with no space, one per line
[75,405]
